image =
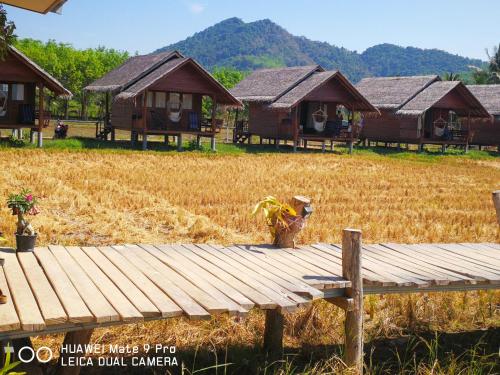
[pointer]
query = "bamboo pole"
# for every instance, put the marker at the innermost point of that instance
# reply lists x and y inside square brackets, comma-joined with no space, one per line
[496,202]
[351,270]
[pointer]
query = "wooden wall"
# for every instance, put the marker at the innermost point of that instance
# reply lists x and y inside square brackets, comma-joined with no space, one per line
[12,70]
[390,128]
[485,132]
[265,123]
[13,106]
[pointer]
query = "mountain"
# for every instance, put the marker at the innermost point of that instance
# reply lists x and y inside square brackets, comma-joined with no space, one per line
[253,45]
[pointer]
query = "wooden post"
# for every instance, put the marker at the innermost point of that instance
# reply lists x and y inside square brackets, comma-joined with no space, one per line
[273,335]
[145,120]
[496,202]
[351,270]
[295,127]
[81,337]
[212,143]
[40,115]
[179,142]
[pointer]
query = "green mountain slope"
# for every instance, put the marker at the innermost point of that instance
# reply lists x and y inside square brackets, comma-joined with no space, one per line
[248,46]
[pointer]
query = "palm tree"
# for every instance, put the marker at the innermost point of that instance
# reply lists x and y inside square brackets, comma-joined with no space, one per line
[494,64]
[451,77]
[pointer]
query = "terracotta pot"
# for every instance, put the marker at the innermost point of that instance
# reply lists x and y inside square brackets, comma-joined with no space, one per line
[25,243]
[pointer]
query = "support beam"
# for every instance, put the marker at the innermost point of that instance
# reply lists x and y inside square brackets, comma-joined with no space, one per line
[323,146]
[212,144]
[75,338]
[496,203]
[32,136]
[351,144]
[273,335]
[344,303]
[144,141]
[40,139]
[198,141]
[351,270]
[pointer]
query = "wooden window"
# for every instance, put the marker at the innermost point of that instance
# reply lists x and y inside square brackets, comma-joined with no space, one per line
[160,99]
[174,99]
[187,101]
[18,91]
[149,100]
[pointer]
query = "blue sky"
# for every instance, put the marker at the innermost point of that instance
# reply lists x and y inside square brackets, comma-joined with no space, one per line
[462,27]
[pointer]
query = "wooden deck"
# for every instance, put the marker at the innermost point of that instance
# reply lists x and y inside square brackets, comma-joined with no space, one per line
[59,289]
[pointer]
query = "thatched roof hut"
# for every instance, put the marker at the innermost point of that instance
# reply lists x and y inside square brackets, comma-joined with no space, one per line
[393,92]
[284,88]
[489,96]
[436,92]
[17,58]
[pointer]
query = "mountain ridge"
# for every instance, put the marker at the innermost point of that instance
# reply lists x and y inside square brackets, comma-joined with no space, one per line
[259,44]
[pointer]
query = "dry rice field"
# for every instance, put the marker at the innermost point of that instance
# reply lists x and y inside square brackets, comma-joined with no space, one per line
[109,197]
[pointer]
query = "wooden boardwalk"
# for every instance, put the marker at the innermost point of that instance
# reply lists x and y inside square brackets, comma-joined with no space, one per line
[59,289]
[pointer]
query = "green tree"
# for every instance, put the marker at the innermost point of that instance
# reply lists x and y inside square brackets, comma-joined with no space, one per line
[451,77]
[7,35]
[494,64]
[228,77]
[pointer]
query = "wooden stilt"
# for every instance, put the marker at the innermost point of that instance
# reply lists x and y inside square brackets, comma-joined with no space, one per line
[443,149]
[496,203]
[166,140]
[72,338]
[144,141]
[198,141]
[212,144]
[40,115]
[179,142]
[421,147]
[260,140]
[277,143]
[351,144]
[40,139]
[331,145]
[351,270]
[132,137]
[113,135]
[273,335]
[323,146]
[32,136]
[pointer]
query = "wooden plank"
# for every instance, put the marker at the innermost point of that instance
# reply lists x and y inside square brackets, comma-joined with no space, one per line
[91,295]
[126,286]
[185,271]
[315,276]
[425,273]
[73,304]
[495,246]
[260,285]
[437,255]
[261,300]
[200,296]
[404,253]
[126,310]
[276,288]
[48,302]
[9,321]
[369,277]
[484,252]
[388,269]
[224,287]
[334,254]
[24,301]
[163,303]
[274,273]
[460,254]
[188,305]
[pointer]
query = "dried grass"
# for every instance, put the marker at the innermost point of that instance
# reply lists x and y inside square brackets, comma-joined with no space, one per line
[99,198]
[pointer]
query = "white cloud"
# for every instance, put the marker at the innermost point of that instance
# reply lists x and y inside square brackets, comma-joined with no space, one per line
[196,8]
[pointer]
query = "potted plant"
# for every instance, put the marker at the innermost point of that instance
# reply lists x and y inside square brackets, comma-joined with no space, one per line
[22,205]
[284,221]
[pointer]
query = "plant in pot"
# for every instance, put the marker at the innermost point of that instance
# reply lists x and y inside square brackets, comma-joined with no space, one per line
[284,220]
[22,205]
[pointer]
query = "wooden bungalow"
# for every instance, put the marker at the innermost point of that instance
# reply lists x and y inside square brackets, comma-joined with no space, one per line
[487,132]
[420,110]
[300,104]
[161,94]
[22,85]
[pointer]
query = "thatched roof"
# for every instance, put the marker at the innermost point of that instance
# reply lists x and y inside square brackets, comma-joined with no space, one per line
[131,71]
[434,93]
[50,82]
[163,71]
[266,85]
[489,96]
[316,80]
[393,92]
